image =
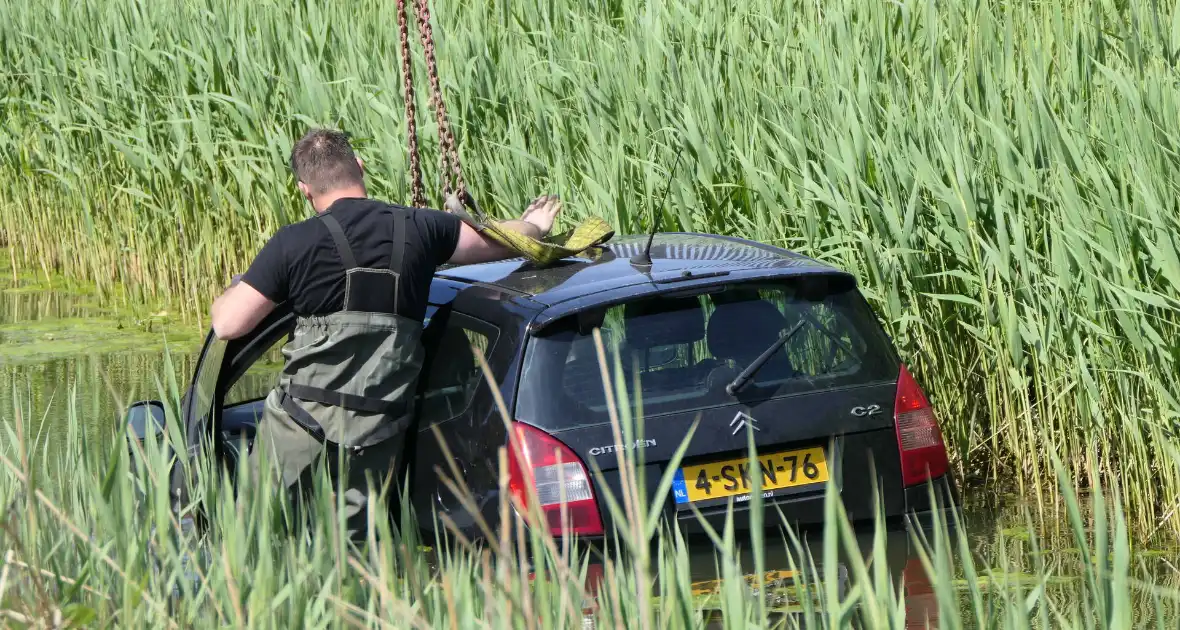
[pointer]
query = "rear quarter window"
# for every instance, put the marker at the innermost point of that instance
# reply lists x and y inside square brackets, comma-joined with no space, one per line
[677,354]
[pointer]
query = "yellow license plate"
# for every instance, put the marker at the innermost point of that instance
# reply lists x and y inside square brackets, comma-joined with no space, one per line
[734,477]
[770,578]
[785,594]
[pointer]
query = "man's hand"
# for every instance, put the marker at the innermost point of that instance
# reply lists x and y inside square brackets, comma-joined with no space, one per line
[541,213]
[537,220]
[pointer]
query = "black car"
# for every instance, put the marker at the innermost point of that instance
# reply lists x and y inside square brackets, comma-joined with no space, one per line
[734,335]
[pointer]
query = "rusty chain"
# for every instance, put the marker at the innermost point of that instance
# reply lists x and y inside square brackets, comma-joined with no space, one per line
[450,170]
[446,139]
[417,192]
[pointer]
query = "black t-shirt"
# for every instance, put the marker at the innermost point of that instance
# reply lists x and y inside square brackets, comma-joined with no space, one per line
[300,264]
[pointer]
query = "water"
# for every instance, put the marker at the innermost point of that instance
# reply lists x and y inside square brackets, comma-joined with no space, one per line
[61,347]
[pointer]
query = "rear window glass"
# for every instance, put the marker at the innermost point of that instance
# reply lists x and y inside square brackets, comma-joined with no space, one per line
[683,351]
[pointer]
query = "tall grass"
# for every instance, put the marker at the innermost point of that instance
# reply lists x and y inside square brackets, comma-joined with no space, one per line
[1001,176]
[103,544]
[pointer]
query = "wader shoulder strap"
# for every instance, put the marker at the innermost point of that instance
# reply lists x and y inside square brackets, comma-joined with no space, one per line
[399,241]
[341,241]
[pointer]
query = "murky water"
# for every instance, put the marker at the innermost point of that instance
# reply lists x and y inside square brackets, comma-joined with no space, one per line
[64,355]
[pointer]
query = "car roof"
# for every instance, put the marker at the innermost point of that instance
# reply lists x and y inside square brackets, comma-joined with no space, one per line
[674,255]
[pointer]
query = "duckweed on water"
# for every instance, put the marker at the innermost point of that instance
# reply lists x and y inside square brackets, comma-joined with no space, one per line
[37,342]
[1020,533]
[43,319]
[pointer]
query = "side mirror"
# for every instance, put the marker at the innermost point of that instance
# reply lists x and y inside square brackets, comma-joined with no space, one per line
[145,416]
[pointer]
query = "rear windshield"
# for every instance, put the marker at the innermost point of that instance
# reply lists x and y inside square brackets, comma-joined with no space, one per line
[684,350]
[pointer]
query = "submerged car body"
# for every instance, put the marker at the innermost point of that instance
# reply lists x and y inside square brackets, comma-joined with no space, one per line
[824,394]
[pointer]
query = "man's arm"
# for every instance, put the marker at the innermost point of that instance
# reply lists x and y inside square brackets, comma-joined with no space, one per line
[536,222]
[253,295]
[474,247]
[238,310]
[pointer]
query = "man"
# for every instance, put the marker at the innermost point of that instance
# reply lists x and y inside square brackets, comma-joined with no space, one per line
[357,276]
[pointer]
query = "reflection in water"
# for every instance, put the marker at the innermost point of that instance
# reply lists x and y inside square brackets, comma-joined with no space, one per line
[797,574]
[1017,564]
[92,387]
[62,356]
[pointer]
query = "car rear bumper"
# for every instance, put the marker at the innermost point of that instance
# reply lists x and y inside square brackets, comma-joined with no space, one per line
[806,518]
[792,566]
[933,504]
[807,511]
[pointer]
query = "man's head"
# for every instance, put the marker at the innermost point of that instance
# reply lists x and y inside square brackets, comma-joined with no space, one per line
[326,168]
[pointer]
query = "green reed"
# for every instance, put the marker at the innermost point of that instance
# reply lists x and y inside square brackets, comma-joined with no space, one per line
[89,535]
[1000,176]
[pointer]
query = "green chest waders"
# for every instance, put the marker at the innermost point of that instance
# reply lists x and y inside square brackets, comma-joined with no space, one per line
[350,376]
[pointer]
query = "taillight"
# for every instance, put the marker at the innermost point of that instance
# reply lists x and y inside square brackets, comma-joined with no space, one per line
[923,453]
[549,466]
[921,603]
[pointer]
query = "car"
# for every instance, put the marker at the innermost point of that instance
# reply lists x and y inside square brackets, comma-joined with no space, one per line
[731,335]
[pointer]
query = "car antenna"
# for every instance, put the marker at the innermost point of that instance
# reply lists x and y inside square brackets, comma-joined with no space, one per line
[643,258]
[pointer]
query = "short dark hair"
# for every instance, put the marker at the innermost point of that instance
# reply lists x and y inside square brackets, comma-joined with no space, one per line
[323,159]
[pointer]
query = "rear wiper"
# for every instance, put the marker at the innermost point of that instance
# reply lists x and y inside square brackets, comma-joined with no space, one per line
[748,373]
